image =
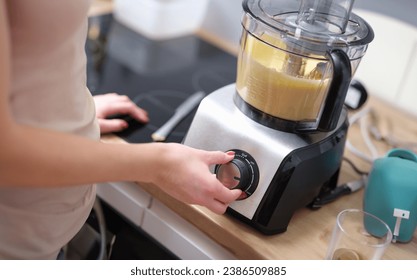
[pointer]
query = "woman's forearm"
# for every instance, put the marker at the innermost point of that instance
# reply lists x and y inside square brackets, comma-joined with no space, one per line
[39,157]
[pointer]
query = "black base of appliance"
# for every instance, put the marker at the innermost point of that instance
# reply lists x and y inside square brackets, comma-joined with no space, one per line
[303,175]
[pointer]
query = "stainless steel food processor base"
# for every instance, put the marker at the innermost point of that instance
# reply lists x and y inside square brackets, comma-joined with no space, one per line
[220,125]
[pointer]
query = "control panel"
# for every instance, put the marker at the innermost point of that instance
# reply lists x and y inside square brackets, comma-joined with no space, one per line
[240,173]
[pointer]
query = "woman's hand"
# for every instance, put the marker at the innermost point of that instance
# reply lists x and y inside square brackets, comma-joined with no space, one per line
[115,104]
[183,173]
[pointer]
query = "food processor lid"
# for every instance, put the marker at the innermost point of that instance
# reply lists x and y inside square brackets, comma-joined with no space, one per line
[314,24]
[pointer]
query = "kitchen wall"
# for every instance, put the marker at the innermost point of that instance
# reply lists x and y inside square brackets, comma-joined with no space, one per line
[401,9]
[390,66]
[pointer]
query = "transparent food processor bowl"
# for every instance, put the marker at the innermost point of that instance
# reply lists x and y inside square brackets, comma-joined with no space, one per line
[281,84]
[285,67]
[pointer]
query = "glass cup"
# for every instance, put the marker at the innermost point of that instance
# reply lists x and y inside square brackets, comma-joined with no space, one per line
[358,235]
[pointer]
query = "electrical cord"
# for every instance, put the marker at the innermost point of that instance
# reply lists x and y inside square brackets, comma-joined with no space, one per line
[359,118]
[391,140]
[370,131]
[102,228]
[355,168]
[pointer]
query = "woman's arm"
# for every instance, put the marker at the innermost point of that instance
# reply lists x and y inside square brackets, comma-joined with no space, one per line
[35,157]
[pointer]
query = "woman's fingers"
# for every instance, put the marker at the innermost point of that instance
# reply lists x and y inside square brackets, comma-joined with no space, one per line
[114,104]
[112,125]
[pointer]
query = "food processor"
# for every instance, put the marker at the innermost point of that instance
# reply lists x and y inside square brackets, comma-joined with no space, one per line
[284,117]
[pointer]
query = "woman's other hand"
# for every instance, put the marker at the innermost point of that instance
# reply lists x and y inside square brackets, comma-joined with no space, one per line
[114,104]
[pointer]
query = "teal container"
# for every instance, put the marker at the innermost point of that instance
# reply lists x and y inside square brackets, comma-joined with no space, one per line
[391,193]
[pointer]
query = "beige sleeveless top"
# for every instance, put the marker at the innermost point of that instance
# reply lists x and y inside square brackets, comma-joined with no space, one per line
[48,90]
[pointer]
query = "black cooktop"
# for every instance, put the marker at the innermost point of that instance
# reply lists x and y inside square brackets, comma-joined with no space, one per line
[157,75]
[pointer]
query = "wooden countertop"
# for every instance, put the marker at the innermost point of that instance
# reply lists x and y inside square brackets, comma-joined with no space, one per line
[309,231]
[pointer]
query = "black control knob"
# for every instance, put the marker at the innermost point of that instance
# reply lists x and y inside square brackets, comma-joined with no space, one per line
[240,173]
